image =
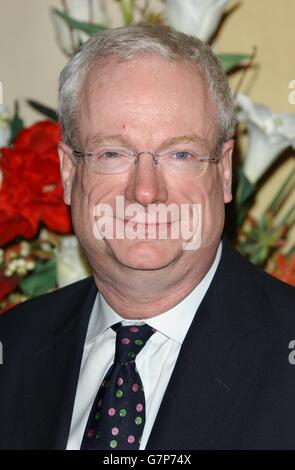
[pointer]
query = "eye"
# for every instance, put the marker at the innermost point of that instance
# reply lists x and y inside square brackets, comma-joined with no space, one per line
[182,155]
[110,155]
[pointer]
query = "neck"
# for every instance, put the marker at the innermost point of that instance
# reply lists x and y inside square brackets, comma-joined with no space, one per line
[139,294]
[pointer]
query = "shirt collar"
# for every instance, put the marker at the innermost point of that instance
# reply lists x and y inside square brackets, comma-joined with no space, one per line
[174,323]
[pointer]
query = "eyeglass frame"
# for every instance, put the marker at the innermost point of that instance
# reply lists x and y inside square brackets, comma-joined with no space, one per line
[136,155]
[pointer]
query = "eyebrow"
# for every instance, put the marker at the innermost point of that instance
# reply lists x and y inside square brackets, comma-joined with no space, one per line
[118,138]
[184,139]
[101,138]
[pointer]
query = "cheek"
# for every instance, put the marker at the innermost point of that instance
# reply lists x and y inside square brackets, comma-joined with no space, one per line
[82,191]
[215,193]
[90,190]
[212,203]
[206,191]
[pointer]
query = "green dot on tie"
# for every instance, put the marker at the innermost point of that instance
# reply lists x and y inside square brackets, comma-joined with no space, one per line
[122,412]
[119,393]
[97,435]
[113,444]
[138,420]
[139,342]
[97,416]
[131,355]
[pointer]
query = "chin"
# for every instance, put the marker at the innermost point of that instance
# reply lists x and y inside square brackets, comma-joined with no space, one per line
[146,254]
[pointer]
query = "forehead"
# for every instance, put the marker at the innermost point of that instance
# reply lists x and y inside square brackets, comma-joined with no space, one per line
[147,94]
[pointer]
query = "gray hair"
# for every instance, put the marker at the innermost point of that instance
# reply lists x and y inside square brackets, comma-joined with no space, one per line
[140,39]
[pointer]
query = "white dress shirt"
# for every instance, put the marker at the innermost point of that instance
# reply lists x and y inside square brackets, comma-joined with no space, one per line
[155,362]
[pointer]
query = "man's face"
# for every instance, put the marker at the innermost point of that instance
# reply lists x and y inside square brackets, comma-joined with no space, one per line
[144,103]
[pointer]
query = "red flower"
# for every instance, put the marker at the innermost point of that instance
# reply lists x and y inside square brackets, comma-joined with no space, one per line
[31,190]
[285,269]
[41,137]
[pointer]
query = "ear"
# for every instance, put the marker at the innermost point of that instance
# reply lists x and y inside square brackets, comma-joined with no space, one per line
[226,169]
[67,170]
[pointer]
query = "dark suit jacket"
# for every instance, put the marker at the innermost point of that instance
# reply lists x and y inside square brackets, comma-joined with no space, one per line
[233,386]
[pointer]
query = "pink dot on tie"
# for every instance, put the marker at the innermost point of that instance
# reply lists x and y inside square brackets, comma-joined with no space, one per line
[139,407]
[131,439]
[99,403]
[125,341]
[134,329]
[111,411]
[120,381]
[115,431]
[135,387]
[90,434]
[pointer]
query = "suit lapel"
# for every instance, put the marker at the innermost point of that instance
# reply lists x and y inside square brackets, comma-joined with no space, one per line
[222,354]
[54,370]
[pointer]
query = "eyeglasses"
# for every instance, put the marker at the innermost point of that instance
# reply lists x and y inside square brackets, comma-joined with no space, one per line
[111,160]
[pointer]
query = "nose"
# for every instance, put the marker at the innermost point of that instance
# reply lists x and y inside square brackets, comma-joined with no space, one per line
[146,184]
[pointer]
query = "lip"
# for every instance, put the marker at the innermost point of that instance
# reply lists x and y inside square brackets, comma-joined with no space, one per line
[147,229]
[145,221]
[147,224]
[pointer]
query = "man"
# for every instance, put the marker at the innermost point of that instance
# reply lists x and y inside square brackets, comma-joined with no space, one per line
[176,342]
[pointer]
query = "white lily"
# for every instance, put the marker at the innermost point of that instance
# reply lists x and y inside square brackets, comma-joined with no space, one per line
[70,262]
[196,17]
[269,134]
[5,130]
[89,11]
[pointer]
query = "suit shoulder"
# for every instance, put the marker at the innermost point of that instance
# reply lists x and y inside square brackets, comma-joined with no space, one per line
[279,299]
[43,309]
[275,298]
[275,291]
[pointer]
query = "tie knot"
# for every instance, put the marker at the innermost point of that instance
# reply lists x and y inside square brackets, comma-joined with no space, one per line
[130,340]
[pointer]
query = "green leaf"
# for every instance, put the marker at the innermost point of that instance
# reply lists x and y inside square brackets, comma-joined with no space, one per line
[45,110]
[41,280]
[261,255]
[230,61]
[154,18]
[282,193]
[245,189]
[288,218]
[89,28]
[16,123]
[127,7]
[291,252]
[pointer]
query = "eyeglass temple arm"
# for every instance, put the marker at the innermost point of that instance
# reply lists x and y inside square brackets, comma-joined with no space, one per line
[79,154]
[214,159]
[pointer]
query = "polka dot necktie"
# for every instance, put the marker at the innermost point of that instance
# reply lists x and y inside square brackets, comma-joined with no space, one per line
[117,417]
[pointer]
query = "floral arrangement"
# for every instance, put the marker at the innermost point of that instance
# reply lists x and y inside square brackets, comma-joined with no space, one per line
[38,250]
